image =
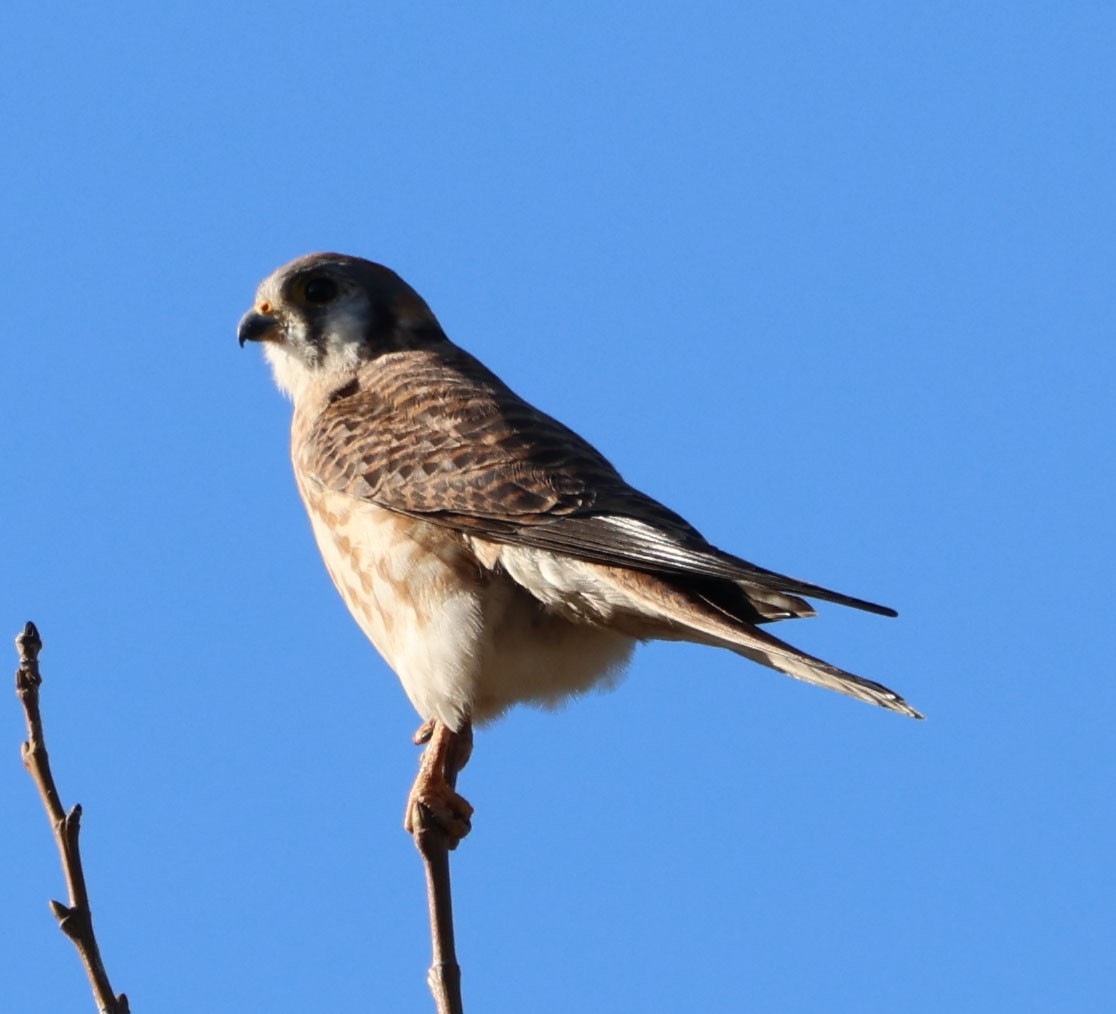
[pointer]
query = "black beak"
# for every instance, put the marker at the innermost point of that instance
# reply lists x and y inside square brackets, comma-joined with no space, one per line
[256,327]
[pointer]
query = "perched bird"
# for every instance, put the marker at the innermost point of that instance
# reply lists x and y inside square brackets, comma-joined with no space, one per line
[491,555]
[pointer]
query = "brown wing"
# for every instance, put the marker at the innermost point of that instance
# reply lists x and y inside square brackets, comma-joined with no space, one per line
[435,434]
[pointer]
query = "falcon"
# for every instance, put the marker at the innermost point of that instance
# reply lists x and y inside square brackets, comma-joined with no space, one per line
[491,555]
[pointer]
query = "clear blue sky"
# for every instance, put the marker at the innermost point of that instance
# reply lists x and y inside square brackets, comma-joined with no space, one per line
[835,281]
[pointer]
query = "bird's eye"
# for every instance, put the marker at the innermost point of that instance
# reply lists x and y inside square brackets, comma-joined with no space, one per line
[320,289]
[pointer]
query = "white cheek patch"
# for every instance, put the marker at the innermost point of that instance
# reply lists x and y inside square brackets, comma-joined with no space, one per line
[297,361]
[344,337]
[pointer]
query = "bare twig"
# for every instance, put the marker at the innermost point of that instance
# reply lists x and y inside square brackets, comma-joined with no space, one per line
[435,834]
[74,919]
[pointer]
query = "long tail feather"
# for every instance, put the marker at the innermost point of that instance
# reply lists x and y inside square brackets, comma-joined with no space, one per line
[686,616]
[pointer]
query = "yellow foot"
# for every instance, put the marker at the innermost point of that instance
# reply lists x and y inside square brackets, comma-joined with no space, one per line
[433,798]
[441,805]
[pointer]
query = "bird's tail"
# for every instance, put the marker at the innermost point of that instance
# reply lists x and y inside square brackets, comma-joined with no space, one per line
[762,647]
[684,614]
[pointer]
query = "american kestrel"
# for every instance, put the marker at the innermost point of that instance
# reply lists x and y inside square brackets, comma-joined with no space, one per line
[491,555]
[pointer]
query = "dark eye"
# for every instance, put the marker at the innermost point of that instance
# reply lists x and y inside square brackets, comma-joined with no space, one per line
[320,289]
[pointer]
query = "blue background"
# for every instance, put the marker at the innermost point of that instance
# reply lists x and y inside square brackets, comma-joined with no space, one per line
[833,280]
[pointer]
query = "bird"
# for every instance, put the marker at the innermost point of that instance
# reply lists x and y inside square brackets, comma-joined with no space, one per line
[491,555]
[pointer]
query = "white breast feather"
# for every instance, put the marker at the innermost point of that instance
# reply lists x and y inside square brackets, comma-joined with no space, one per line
[465,640]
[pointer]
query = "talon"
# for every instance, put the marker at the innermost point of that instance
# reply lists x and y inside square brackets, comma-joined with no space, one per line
[447,811]
[433,801]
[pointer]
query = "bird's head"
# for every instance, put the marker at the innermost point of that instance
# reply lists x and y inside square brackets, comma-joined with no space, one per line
[323,315]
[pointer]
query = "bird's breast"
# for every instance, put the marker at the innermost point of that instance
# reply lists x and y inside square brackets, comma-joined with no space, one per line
[413,588]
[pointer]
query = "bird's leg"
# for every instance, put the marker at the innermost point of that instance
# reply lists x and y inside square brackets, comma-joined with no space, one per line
[446,753]
[438,818]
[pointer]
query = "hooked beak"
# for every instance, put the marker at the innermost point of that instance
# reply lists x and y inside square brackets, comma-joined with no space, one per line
[256,327]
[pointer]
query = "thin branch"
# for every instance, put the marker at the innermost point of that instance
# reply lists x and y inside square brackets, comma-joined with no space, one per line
[444,975]
[74,919]
[436,832]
